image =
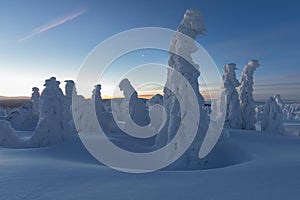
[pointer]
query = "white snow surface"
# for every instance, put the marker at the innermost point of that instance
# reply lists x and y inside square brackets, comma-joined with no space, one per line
[255,166]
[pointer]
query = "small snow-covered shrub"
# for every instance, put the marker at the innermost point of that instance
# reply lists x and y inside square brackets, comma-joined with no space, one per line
[272,117]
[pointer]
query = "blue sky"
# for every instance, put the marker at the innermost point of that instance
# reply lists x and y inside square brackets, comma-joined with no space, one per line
[39,39]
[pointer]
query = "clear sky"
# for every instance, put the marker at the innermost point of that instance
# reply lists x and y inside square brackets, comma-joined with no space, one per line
[40,39]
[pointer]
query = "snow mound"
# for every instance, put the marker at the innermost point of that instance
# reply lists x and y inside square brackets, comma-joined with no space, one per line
[23,118]
[8,136]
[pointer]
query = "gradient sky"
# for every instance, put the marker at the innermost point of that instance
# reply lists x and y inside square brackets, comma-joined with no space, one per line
[40,39]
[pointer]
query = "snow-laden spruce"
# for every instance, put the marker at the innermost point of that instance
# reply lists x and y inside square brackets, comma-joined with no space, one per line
[233,111]
[246,96]
[156,112]
[70,90]
[191,25]
[53,126]
[35,98]
[156,99]
[272,121]
[70,93]
[97,99]
[259,112]
[133,106]
[279,101]
[292,111]
[8,136]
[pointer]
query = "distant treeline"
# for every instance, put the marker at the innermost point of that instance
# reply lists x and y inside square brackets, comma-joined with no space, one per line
[13,103]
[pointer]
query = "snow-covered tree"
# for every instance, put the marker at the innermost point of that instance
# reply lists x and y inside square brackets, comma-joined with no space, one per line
[156,112]
[246,96]
[272,117]
[97,99]
[156,99]
[2,113]
[53,127]
[69,90]
[233,113]
[35,98]
[70,93]
[191,25]
[259,112]
[279,101]
[132,105]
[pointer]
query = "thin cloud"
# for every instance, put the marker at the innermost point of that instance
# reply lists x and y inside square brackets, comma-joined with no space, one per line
[52,25]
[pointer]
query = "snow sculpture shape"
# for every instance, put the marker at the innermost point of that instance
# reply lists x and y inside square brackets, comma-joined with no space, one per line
[246,96]
[191,25]
[8,136]
[35,98]
[53,127]
[233,113]
[133,106]
[272,117]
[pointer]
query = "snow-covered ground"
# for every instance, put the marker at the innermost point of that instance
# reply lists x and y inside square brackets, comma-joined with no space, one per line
[259,166]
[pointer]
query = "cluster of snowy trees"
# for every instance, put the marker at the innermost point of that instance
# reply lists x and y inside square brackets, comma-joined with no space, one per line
[242,112]
[291,111]
[50,115]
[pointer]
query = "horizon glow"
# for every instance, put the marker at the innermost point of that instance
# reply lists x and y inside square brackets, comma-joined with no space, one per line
[34,47]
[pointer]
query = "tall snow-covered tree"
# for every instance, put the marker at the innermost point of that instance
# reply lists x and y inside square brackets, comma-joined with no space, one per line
[246,96]
[191,25]
[233,112]
[70,93]
[69,90]
[97,99]
[53,127]
[136,108]
[272,120]
[35,98]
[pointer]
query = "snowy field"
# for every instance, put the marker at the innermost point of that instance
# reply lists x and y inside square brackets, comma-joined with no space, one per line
[259,166]
[42,156]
